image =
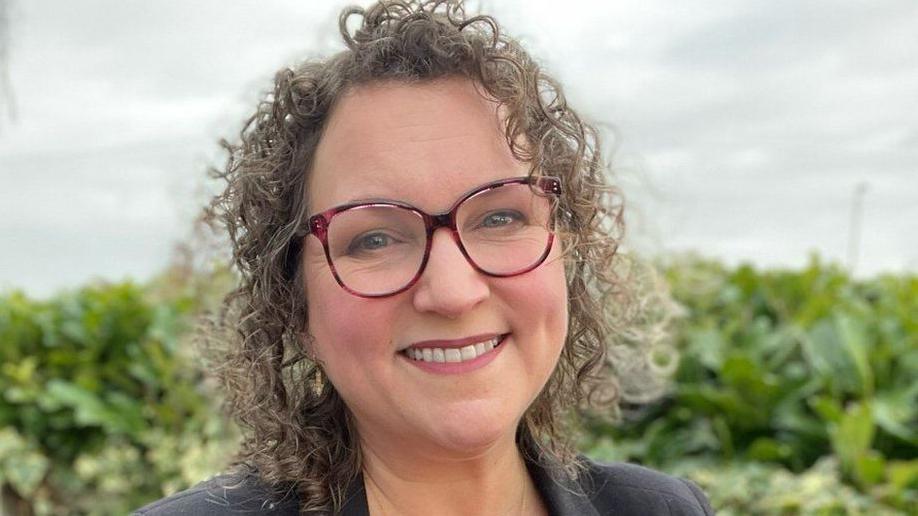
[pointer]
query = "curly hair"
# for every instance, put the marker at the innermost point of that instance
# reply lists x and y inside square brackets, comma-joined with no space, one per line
[297,430]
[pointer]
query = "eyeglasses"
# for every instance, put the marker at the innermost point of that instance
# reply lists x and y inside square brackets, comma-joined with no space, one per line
[378,249]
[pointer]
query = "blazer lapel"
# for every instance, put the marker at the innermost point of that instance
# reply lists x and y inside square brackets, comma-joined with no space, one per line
[562,496]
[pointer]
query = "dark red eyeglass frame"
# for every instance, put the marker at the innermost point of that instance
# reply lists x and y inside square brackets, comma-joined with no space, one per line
[318,224]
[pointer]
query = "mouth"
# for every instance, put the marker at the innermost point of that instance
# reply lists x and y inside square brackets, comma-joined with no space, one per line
[453,354]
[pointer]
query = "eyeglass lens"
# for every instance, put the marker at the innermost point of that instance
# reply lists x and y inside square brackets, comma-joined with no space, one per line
[377,249]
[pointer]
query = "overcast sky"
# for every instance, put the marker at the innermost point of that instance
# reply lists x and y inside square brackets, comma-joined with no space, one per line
[744,128]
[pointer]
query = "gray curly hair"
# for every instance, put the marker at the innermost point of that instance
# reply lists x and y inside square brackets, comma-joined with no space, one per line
[297,430]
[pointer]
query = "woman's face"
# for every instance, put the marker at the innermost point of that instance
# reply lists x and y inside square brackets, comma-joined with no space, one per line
[427,144]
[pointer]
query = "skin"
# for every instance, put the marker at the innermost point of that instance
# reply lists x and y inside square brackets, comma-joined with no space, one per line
[424,435]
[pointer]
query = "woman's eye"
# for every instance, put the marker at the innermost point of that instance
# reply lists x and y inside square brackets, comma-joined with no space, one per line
[501,219]
[371,242]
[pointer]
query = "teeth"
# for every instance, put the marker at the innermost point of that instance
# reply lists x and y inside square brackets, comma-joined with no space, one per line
[452,354]
[468,353]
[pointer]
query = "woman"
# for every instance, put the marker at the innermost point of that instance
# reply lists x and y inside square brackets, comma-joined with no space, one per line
[427,248]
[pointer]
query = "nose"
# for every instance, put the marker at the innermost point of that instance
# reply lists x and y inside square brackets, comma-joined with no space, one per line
[449,285]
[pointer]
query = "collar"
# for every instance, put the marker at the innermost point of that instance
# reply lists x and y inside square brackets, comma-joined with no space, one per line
[562,497]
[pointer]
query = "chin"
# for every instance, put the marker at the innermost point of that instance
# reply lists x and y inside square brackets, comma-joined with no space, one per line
[475,428]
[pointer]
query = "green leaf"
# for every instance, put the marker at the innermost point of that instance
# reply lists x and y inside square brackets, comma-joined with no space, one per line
[21,464]
[831,358]
[21,373]
[10,443]
[708,345]
[896,412]
[765,449]
[828,408]
[26,471]
[89,410]
[903,474]
[852,335]
[21,395]
[853,435]
[870,468]
[130,412]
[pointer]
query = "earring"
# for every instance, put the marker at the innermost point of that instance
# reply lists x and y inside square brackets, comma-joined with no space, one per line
[318,381]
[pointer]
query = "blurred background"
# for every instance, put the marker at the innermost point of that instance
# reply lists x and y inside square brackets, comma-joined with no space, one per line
[769,157]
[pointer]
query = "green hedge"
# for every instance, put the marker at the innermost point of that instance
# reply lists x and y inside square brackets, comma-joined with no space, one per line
[786,368]
[796,393]
[102,406]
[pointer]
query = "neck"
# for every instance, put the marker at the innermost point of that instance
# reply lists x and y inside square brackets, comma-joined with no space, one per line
[492,482]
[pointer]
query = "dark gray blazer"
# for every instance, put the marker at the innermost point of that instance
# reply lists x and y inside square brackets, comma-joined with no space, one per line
[618,489]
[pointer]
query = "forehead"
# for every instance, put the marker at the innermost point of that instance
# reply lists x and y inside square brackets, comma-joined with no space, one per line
[424,143]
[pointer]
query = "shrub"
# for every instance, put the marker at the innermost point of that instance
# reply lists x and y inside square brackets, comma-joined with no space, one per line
[796,393]
[102,406]
[785,368]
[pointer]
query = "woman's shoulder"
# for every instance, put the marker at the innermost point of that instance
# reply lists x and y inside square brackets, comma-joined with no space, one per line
[603,488]
[229,493]
[621,488]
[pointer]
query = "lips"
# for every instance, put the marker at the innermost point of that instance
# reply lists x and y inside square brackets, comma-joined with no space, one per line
[453,354]
[455,360]
[455,350]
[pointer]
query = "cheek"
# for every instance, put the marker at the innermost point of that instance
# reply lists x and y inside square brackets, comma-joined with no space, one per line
[555,304]
[539,301]
[347,330]
[552,283]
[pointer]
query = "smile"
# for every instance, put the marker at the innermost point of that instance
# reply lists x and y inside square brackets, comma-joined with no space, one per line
[453,355]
